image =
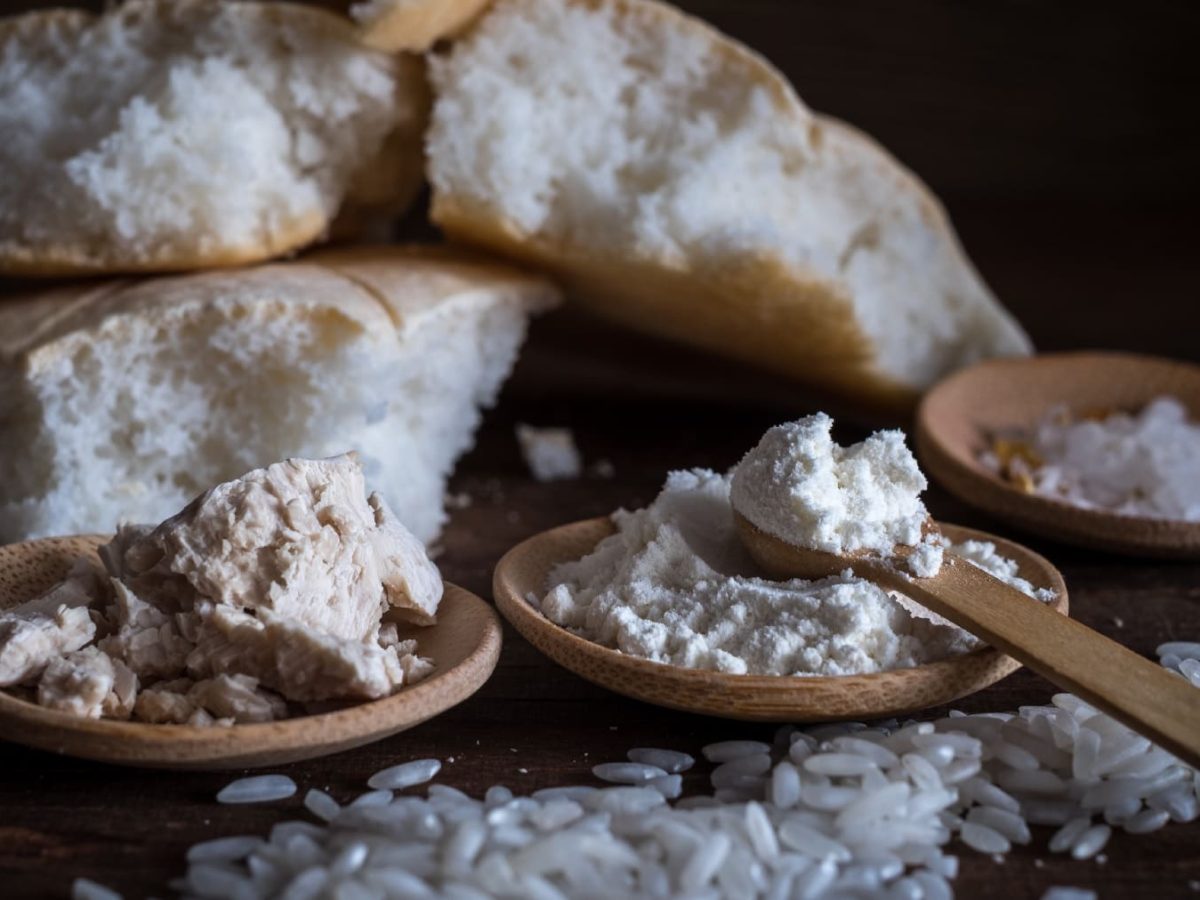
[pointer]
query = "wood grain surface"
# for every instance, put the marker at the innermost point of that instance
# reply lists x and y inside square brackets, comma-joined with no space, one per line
[1062,139]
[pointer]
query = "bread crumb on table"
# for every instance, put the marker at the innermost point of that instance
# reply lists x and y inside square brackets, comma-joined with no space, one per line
[550,453]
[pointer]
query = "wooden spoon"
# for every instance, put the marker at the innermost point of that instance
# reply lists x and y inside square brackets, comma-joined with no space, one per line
[464,645]
[1141,694]
[524,570]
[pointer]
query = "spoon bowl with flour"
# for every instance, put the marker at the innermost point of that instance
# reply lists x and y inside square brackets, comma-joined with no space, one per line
[806,507]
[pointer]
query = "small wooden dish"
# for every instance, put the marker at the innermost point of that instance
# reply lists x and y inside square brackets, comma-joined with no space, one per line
[958,417]
[464,645]
[767,698]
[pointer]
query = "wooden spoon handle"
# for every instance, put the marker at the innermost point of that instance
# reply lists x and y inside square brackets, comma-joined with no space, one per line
[1141,694]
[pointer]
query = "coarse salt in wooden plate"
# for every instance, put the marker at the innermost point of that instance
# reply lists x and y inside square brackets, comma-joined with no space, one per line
[464,645]
[959,417]
[771,698]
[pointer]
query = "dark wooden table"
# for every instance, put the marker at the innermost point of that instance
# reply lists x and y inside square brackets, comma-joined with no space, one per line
[1061,137]
[60,818]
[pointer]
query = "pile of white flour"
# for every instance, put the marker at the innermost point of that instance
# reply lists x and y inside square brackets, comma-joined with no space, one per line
[802,487]
[675,585]
[1146,464]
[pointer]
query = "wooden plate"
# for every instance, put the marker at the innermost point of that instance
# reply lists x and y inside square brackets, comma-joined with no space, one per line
[524,570]
[958,416]
[464,645]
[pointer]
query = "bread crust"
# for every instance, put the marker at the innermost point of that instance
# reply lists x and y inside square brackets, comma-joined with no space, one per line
[384,185]
[415,25]
[64,260]
[378,287]
[759,309]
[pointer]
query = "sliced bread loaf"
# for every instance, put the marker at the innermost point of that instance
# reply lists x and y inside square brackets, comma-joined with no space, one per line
[122,400]
[677,184]
[177,134]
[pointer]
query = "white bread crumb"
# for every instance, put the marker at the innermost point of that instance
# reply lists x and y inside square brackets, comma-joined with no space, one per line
[171,134]
[126,400]
[550,453]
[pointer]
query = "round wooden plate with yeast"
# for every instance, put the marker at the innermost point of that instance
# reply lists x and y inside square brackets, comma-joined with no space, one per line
[464,645]
[958,418]
[524,570]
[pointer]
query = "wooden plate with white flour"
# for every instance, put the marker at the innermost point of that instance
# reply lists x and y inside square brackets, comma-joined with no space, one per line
[771,698]
[464,645]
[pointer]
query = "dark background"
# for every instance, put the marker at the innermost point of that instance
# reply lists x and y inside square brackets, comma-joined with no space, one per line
[1060,136]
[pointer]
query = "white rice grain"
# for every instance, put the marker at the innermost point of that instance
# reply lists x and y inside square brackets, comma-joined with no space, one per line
[1090,842]
[838,764]
[670,761]
[785,785]
[705,861]
[754,764]
[844,810]
[321,805]
[217,882]
[761,832]
[1146,821]
[86,889]
[799,836]
[876,753]
[1068,893]
[1183,649]
[870,806]
[227,849]
[627,772]
[984,839]
[1065,837]
[257,789]
[577,792]
[1003,821]
[985,793]
[405,775]
[670,786]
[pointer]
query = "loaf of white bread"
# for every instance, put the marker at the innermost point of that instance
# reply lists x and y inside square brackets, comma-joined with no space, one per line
[123,399]
[179,134]
[676,183]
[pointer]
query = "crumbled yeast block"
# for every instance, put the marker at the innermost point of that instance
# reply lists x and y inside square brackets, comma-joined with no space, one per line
[300,538]
[88,683]
[300,663]
[165,703]
[29,644]
[237,697]
[269,588]
[34,633]
[150,641]
[550,453]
